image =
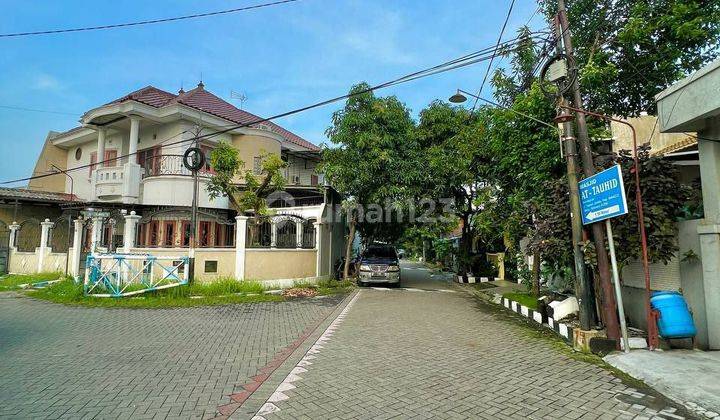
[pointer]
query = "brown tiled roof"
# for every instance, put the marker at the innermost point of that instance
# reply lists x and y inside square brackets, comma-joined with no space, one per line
[677,146]
[149,95]
[25,194]
[202,100]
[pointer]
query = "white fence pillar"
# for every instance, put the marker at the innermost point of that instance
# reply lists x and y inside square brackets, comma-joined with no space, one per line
[319,248]
[96,233]
[240,232]
[299,225]
[77,248]
[14,229]
[273,233]
[131,222]
[44,237]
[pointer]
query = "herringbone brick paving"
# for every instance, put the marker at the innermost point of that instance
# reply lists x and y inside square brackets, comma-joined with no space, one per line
[68,362]
[414,354]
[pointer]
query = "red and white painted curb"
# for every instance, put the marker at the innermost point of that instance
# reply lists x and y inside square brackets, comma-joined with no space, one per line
[302,366]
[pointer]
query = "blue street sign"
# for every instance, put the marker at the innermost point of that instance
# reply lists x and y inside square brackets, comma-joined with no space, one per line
[602,196]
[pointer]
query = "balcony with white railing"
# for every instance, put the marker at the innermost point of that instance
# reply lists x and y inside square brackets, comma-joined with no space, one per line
[167,182]
[170,165]
[109,182]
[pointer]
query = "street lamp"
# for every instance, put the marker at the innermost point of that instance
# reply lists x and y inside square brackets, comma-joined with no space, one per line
[459,97]
[652,327]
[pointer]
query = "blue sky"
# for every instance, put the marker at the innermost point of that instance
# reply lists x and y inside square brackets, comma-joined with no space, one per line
[281,58]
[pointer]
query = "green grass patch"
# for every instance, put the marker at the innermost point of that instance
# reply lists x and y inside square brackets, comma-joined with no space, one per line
[219,292]
[332,286]
[13,281]
[69,293]
[523,298]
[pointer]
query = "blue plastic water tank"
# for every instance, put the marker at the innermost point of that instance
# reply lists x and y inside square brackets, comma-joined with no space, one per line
[675,320]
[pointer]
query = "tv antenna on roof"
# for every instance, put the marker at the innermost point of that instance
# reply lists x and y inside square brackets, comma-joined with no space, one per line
[238,96]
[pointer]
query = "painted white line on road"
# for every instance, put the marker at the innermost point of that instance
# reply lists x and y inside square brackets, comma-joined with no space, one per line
[300,367]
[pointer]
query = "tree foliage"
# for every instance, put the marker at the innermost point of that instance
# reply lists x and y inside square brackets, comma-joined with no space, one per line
[629,50]
[663,200]
[246,191]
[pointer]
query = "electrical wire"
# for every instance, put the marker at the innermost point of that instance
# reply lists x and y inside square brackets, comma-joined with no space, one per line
[20,108]
[497,45]
[466,60]
[147,22]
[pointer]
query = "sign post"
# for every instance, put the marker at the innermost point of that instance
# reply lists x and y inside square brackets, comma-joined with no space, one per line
[602,197]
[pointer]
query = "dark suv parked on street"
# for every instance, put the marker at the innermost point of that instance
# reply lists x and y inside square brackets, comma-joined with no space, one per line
[379,264]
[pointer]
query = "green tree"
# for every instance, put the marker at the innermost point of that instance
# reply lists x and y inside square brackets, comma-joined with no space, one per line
[246,191]
[454,167]
[371,160]
[663,201]
[629,50]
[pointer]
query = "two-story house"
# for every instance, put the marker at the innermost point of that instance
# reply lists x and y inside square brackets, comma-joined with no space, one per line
[124,164]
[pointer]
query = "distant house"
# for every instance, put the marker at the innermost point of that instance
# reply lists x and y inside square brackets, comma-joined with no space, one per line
[135,194]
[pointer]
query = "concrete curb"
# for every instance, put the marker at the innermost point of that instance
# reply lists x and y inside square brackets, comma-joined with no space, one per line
[563,330]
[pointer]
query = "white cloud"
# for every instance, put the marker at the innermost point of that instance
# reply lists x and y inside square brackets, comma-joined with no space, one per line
[44,81]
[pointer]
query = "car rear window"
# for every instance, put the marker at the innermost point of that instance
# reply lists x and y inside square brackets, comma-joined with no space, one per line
[380,252]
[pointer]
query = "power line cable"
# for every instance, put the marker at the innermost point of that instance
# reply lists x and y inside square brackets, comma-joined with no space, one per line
[147,22]
[497,46]
[20,108]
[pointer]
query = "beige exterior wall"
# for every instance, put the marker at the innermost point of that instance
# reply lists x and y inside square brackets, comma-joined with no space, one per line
[54,262]
[225,263]
[50,155]
[644,127]
[270,264]
[251,146]
[225,258]
[22,262]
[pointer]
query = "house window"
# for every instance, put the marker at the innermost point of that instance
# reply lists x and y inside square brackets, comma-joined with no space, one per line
[154,233]
[78,153]
[204,234]
[211,266]
[109,154]
[219,235]
[186,232]
[257,165]
[313,179]
[141,235]
[169,234]
[149,160]
[110,158]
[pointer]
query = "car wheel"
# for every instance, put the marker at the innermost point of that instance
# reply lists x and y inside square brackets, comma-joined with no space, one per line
[361,283]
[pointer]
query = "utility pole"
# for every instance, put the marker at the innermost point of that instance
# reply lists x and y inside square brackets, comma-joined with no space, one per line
[197,161]
[609,304]
[583,286]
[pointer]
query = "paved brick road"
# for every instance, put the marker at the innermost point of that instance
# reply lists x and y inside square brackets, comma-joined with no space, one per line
[438,354]
[58,361]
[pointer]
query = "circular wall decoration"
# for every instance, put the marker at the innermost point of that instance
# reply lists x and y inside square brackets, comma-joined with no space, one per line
[78,153]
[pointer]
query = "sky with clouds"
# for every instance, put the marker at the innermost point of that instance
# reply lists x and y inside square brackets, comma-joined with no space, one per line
[281,58]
